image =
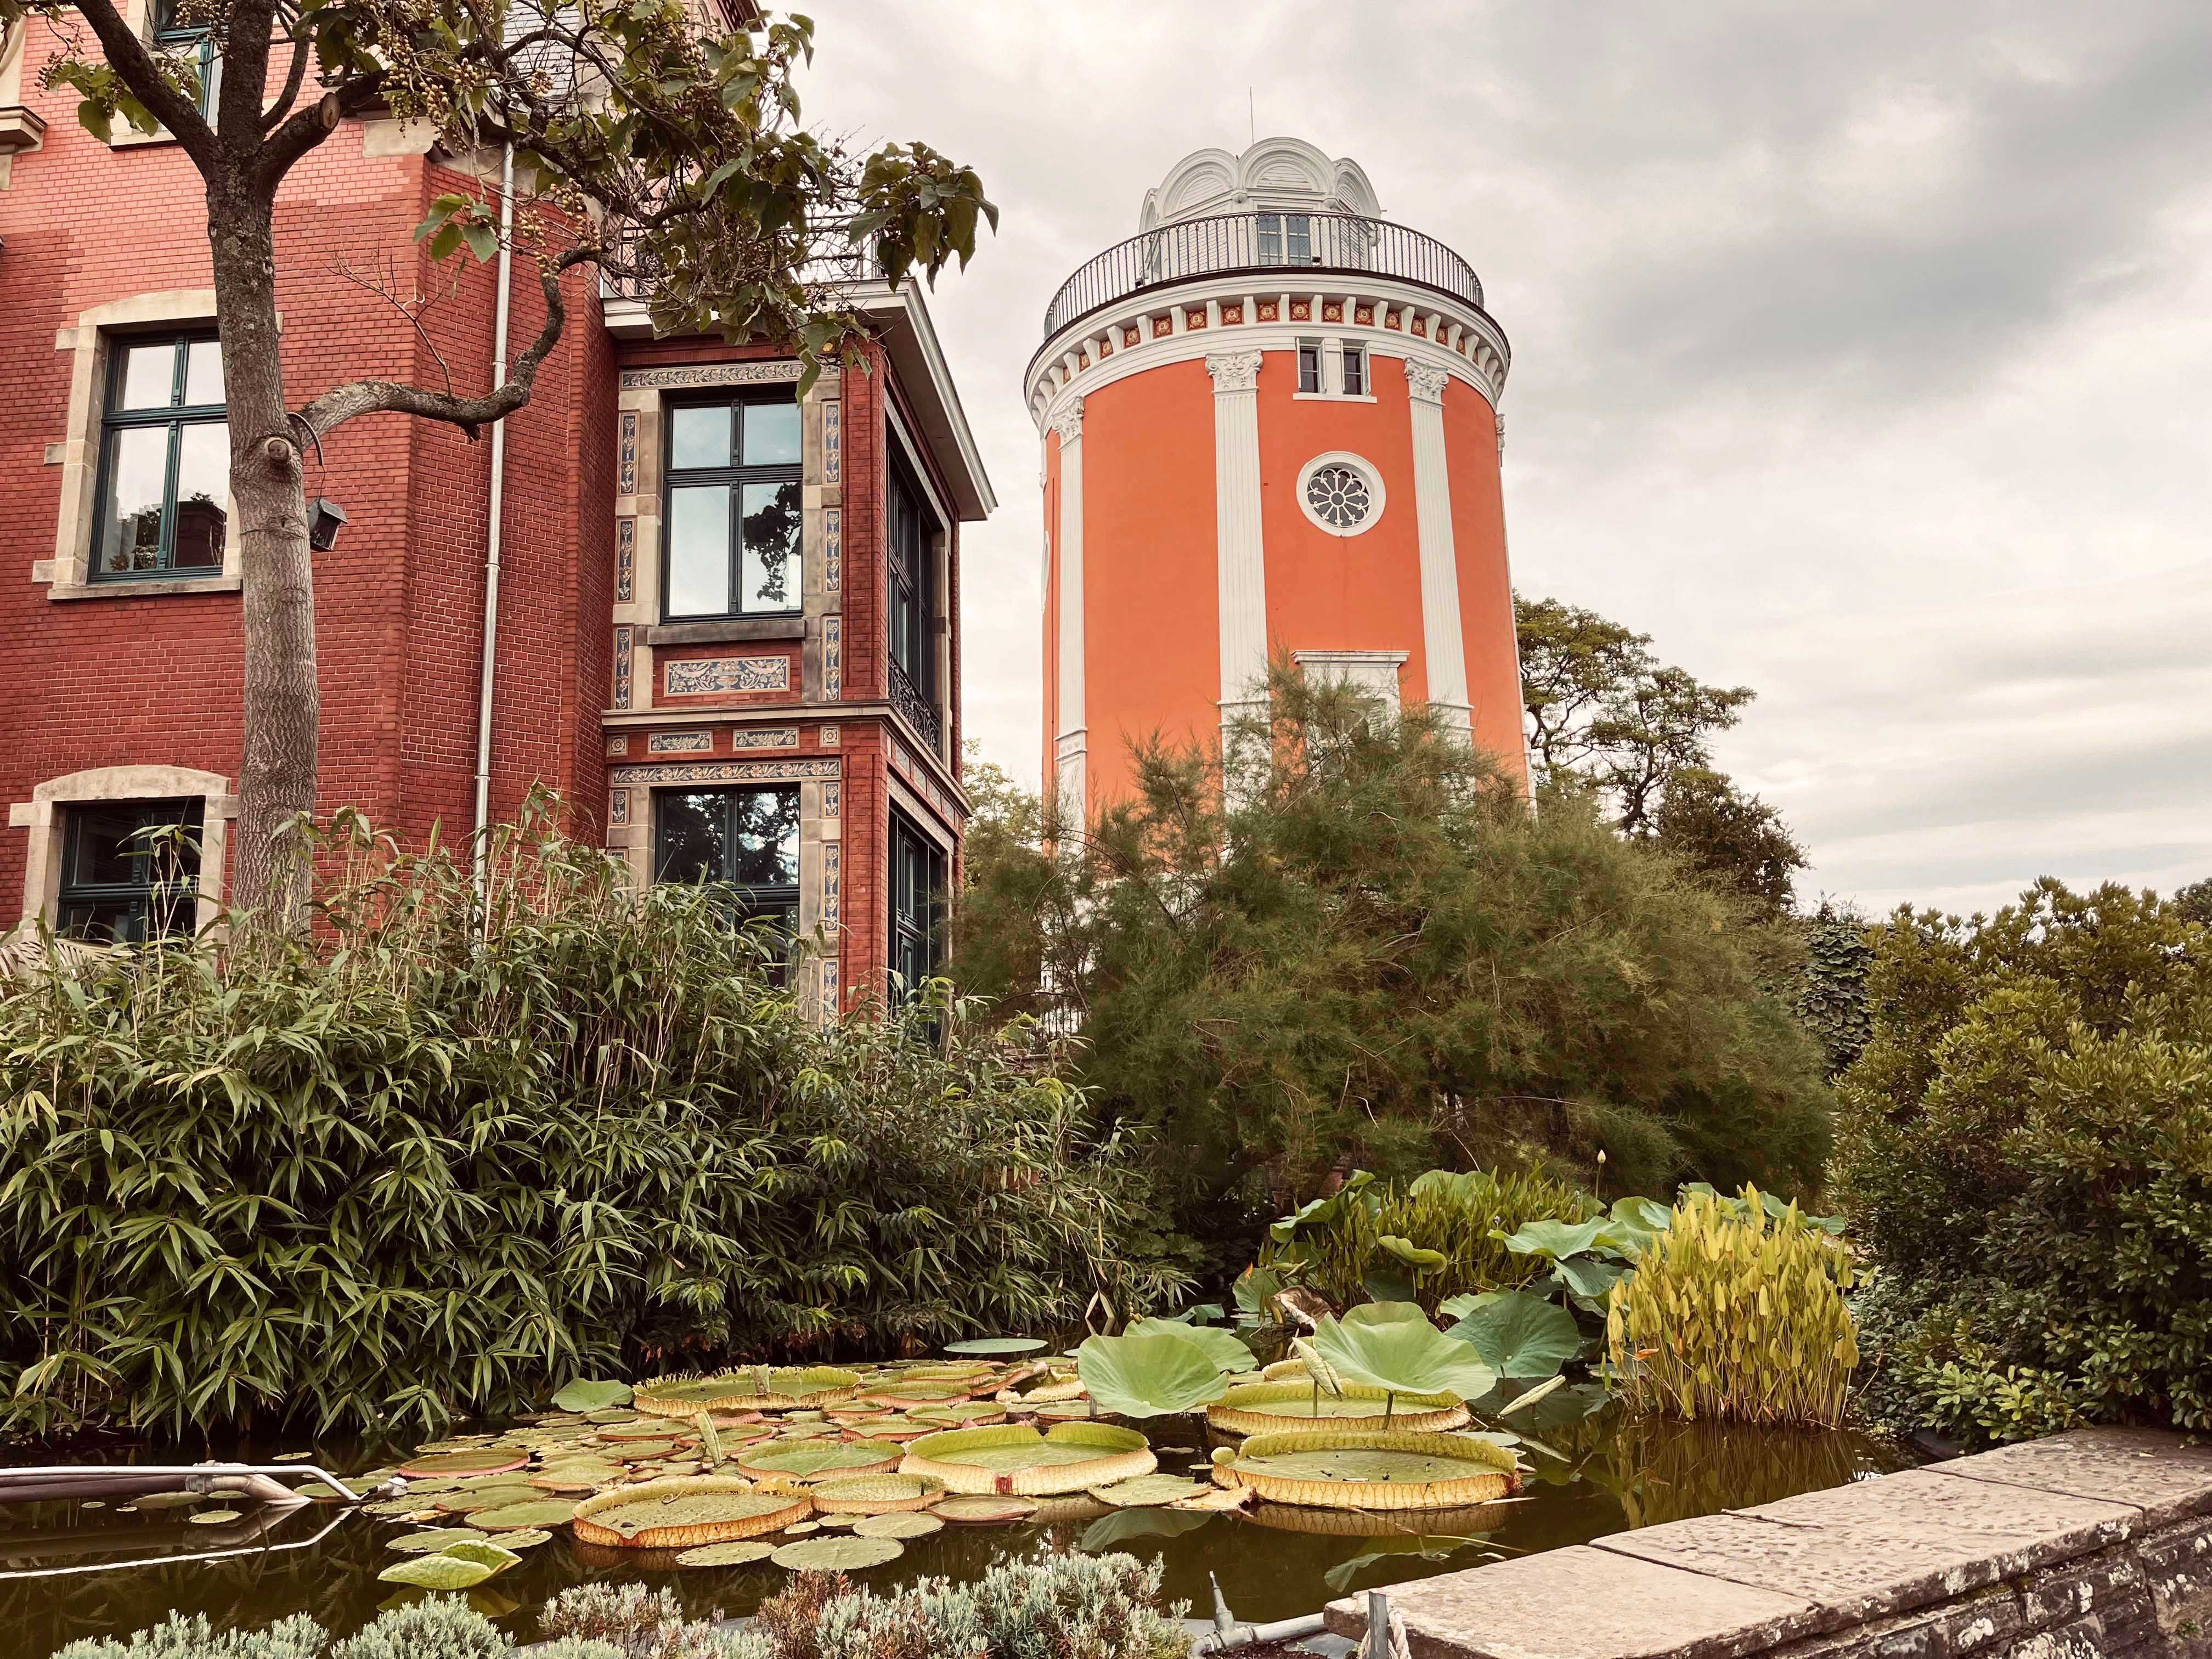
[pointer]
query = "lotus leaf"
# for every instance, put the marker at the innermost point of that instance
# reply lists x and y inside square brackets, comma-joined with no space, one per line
[693,1509]
[1556,1239]
[985,1511]
[838,1555]
[216,1517]
[593,1396]
[821,1456]
[522,1517]
[482,1461]
[908,1524]
[1220,1345]
[437,1572]
[1589,1279]
[1521,1335]
[1322,1210]
[1254,1288]
[497,1556]
[1383,1347]
[430,1543]
[1146,1491]
[741,1555]
[1148,1375]
[989,1344]
[1418,1257]
[1456,1307]
[1116,1531]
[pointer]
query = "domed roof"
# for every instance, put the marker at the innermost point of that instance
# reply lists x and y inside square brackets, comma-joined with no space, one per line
[1285,173]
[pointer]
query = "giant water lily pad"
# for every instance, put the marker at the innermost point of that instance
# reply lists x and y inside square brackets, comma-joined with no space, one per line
[863,1494]
[527,1516]
[907,1525]
[488,1497]
[439,1538]
[216,1517]
[742,1554]
[528,1539]
[997,1344]
[592,1396]
[483,1460]
[837,1554]
[1147,1492]
[822,1456]
[1154,1376]
[674,1512]
[980,1511]
[1356,1465]
[437,1572]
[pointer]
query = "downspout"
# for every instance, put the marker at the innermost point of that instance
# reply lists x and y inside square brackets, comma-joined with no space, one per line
[482,868]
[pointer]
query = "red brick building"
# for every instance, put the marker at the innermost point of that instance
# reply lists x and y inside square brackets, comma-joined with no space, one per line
[726,621]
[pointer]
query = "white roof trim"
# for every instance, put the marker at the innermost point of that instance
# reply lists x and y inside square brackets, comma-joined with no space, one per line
[911,341]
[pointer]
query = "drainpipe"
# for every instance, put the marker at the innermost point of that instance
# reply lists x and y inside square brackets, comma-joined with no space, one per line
[497,512]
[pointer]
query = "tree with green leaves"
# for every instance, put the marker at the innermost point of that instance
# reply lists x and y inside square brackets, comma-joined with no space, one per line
[1358,944]
[645,144]
[1606,715]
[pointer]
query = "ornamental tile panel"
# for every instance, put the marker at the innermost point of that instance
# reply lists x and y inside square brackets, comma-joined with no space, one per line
[680,743]
[833,548]
[618,745]
[619,808]
[832,886]
[765,737]
[638,379]
[832,441]
[625,560]
[622,667]
[694,676]
[832,799]
[626,472]
[759,771]
[833,659]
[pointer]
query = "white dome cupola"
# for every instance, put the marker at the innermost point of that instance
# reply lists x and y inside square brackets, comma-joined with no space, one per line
[1283,175]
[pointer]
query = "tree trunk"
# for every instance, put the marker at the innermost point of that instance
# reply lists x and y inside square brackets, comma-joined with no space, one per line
[282,712]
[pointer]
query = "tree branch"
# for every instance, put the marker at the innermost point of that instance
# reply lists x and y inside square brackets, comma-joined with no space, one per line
[306,128]
[293,76]
[127,56]
[345,402]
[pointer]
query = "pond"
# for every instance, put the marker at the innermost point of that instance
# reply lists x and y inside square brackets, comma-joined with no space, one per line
[1591,1475]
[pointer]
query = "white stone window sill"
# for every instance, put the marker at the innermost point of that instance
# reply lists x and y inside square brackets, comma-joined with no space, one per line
[1332,397]
[146,587]
[131,139]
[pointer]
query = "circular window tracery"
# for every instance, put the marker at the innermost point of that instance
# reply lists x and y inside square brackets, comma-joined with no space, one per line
[1340,494]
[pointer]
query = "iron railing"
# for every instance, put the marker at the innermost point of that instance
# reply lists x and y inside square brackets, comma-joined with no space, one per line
[842,264]
[920,711]
[1275,243]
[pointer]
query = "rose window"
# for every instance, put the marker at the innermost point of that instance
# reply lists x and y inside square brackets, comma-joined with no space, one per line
[1339,497]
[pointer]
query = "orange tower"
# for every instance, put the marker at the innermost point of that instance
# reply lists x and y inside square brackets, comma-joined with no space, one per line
[1270,426]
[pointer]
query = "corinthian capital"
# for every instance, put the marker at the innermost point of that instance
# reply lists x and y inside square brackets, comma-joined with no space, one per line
[1234,371]
[1069,421]
[1426,383]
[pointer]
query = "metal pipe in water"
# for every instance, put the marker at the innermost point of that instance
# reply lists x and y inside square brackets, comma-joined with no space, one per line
[1244,1636]
[60,1480]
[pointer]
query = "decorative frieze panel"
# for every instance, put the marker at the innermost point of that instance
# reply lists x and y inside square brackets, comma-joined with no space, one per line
[625,560]
[765,737]
[680,743]
[760,771]
[637,379]
[833,659]
[704,676]
[832,441]
[833,548]
[626,467]
[832,799]
[832,886]
[618,744]
[622,687]
[832,736]
[617,808]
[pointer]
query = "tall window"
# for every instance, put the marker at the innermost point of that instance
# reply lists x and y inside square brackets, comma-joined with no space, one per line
[189,40]
[913,604]
[1286,238]
[917,905]
[1309,365]
[128,875]
[1355,370]
[733,510]
[165,459]
[746,841]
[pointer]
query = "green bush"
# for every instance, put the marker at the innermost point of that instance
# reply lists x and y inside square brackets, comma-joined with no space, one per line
[428,1163]
[437,1627]
[2026,1149]
[1377,954]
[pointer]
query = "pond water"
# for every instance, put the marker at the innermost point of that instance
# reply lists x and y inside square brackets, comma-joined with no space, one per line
[1592,1475]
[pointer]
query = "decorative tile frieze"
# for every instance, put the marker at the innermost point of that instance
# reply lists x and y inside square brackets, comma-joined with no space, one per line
[625,560]
[626,470]
[1161,327]
[832,441]
[622,668]
[832,736]
[833,548]
[639,380]
[695,677]
[618,744]
[833,995]
[617,808]
[1131,334]
[1302,311]
[832,799]
[765,737]
[833,659]
[1271,311]
[1232,313]
[832,886]
[680,743]
[759,771]
[1362,315]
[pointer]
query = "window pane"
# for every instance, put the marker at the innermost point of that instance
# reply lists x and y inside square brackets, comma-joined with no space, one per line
[699,551]
[1355,372]
[131,518]
[699,437]
[771,569]
[765,847]
[1299,234]
[1308,368]
[149,376]
[203,372]
[203,487]
[1271,239]
[691,828]
[771,433]
[104,851]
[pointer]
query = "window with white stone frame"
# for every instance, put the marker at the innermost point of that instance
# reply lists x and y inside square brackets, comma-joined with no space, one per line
[124,852]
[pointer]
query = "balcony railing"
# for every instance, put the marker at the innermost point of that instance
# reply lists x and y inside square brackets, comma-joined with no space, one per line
[842,266]
[920,713]
[1282,245]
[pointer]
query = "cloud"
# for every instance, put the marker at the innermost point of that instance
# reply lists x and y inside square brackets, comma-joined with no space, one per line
[1859,357]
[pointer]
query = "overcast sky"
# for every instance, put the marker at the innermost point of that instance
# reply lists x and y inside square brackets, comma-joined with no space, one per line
[1862,356]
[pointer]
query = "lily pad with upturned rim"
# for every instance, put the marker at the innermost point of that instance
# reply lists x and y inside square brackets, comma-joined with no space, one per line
[526,1517]
[909,1526]
[1147,1492]
[742,1554]
[978,1510]
[838,1555]
[997,1344]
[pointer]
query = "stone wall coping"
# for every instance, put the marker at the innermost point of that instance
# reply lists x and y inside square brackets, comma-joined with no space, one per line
[1748,1581]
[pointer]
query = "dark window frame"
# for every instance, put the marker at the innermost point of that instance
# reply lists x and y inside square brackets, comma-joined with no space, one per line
[176,416]
[734,477]
[911,529]
[1355,369]
[196,42]
[161,906]
[917,921]
[750,900]
[1285,238]
[1309,376]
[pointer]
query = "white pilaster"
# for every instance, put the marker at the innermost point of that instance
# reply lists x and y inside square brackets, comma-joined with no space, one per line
[1442,643]
[1070,765]
[1239,556]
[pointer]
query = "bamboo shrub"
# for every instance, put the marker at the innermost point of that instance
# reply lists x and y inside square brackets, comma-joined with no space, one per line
[1735,1316]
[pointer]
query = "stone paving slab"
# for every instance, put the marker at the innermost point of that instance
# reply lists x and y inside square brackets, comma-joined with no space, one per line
[1582,1603]
[1885,1546]
[2151,1468]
